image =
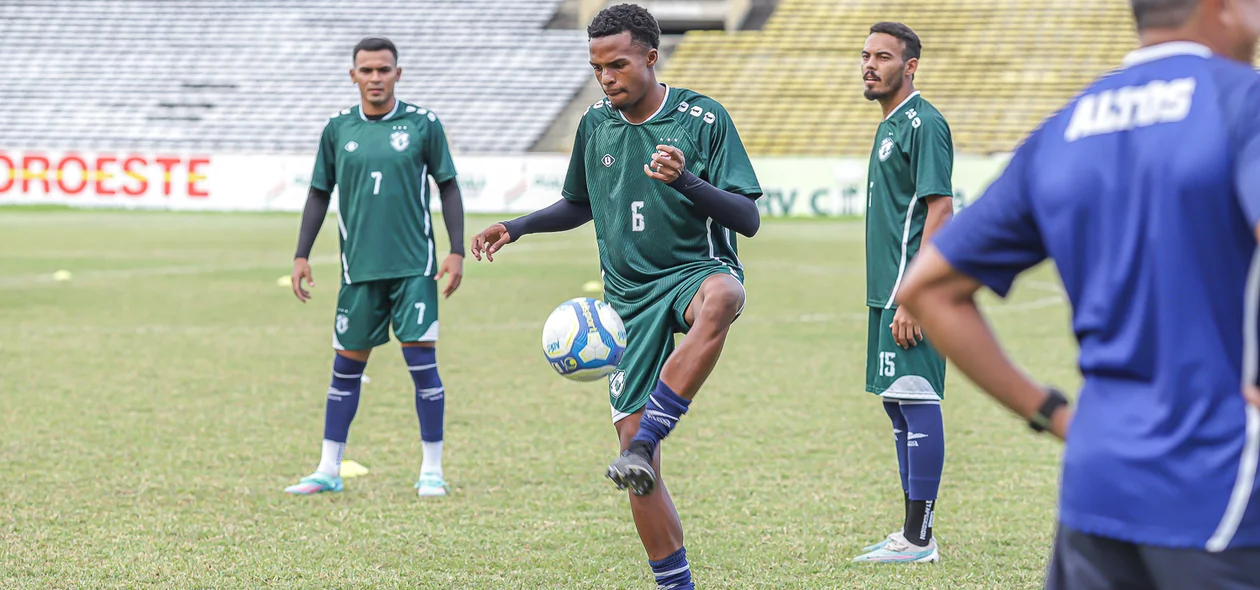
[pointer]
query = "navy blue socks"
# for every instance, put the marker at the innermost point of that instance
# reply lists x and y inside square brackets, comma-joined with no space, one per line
[662,413]
[925,449]
[673,572]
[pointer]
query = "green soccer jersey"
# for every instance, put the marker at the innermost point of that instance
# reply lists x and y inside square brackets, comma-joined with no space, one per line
[646,230]
[381,170]
[912,159]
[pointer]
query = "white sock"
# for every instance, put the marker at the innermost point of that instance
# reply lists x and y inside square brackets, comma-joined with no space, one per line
[432,458]
[330,459]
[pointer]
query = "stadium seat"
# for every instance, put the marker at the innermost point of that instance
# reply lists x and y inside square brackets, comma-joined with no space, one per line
[995,68]
[263,76]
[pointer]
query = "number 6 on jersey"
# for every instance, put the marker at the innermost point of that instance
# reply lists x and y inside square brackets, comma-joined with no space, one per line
[636,218]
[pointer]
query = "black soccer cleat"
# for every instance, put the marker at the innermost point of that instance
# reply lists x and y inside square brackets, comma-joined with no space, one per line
[633,470]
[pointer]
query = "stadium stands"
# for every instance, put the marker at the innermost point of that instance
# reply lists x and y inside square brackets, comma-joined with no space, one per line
[263,76]
[995,68]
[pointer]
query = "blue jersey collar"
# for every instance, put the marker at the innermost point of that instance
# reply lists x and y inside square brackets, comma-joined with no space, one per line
[1163,50]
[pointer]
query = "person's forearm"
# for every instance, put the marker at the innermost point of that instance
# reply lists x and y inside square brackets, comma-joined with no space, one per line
[312,219]
[734,211]
[453,214]
[564,215]
[944,304]
[940,210]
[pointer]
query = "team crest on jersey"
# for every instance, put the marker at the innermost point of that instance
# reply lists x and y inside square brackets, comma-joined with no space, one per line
[616,383]
[608,160]
[399,140]
[351,146]
[343,323]
[885,149]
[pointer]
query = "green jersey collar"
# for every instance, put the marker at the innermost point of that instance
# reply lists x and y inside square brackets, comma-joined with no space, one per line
[664,101]
[903,103]
[388,116]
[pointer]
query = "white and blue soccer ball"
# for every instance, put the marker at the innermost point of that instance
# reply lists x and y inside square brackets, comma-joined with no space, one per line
[584,339]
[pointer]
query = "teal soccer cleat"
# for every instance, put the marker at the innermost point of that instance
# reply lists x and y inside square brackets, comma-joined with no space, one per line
[315,483]
[432,485]
[898,550]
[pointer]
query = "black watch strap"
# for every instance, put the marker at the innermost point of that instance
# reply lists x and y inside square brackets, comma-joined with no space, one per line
[1040,421]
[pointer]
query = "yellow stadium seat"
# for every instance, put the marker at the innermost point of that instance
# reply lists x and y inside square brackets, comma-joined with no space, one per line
[794,87]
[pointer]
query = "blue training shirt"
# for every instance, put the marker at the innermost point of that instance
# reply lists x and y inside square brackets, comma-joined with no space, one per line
[1145,191]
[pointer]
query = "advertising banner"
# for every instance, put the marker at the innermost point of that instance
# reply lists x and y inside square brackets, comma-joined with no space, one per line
[794,186]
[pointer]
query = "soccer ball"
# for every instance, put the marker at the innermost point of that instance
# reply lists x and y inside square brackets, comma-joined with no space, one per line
[584,339]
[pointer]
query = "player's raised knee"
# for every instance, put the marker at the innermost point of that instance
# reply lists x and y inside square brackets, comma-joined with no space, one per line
[722,300]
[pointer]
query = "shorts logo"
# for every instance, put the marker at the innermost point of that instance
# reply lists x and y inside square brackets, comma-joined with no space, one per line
[350,147]
[343,323]
[616,383]
[885,149]
[399,140]
[608,160]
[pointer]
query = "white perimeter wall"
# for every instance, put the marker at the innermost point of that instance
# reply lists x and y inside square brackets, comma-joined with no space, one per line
[491,184]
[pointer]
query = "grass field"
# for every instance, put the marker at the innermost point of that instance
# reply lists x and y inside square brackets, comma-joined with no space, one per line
[155,406]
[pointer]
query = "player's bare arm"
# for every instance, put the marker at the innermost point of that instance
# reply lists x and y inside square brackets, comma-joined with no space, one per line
[906,330]
[313,214]
[736,212]
[943,300]
[564,215]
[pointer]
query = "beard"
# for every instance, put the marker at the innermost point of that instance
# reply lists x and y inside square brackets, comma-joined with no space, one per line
[894,85]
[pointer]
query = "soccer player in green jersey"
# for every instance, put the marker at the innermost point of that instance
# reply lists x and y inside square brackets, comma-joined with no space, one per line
[666,179]
[909,198]
[380,156]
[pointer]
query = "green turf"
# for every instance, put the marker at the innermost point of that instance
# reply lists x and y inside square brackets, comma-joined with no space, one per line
[155,406]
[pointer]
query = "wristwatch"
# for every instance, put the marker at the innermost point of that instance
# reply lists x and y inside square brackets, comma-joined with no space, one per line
[1040,421]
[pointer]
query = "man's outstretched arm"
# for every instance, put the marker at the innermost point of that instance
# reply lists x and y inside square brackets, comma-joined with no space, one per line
[564,215]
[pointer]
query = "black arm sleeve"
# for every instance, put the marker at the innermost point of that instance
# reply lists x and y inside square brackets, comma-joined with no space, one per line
[737,212]
[453,214]
[564,215]
[312,218]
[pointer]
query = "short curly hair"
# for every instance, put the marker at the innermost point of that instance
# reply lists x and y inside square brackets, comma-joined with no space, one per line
[623,18]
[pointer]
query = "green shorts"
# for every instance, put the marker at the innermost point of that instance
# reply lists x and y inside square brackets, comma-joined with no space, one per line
[365,310]
[651,324]
[916,373]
